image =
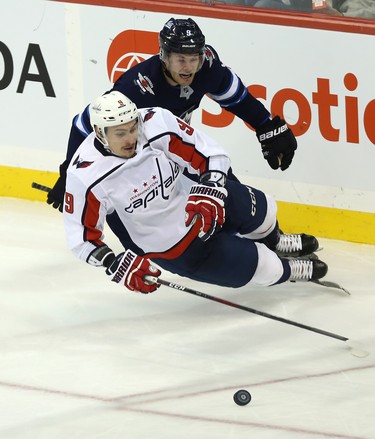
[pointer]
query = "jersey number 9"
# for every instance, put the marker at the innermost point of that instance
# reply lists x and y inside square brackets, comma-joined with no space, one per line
[69,203]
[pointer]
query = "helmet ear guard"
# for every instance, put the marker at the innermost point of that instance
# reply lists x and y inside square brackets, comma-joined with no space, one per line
[110,110]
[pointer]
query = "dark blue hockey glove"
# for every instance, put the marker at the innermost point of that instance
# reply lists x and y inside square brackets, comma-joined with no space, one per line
[278,143]
[56,194]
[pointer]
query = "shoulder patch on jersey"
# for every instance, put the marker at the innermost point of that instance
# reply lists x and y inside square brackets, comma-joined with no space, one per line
[150,113]
[209,55]
[81,163]
[145,84]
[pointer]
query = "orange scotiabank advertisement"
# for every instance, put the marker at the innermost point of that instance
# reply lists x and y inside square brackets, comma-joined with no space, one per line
[129,48]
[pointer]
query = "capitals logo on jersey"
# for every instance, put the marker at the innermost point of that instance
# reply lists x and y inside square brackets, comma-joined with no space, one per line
[81,163]
[162,183]
[150,113]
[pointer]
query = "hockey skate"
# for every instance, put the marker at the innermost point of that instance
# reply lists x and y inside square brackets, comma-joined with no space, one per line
[294,246]
[307,269]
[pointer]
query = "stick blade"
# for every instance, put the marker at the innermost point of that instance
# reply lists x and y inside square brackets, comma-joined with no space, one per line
[357,349]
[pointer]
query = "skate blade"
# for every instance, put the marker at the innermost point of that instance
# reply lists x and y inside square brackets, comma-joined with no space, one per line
[329,284]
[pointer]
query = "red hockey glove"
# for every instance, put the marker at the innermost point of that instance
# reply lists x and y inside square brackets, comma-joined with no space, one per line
[208,202]
[278,143]
[130,269]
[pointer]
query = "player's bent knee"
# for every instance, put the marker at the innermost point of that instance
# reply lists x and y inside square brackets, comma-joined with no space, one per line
[269,269]
[269,222]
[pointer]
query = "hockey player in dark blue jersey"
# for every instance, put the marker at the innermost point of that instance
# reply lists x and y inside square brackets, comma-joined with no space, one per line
[185,70]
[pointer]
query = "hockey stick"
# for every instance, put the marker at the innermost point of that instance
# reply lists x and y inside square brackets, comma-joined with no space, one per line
[355,347]
[40,187]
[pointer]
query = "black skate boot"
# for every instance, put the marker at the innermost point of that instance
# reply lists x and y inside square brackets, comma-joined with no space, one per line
[296,245]
[307,269]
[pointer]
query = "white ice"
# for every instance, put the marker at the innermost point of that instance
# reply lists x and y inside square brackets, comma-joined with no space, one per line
[83,358]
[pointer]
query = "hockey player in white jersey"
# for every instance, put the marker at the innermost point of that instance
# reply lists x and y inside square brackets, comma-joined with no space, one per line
[217,231]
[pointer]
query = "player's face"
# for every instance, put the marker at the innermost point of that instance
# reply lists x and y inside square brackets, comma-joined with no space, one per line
[122,139]
[182,68]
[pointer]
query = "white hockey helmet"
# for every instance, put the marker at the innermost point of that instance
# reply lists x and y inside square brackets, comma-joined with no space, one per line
[110,110]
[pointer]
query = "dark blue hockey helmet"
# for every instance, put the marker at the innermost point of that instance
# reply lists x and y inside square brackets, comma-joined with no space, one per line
[181,36]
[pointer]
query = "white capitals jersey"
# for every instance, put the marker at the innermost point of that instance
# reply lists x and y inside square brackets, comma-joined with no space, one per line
[148,191]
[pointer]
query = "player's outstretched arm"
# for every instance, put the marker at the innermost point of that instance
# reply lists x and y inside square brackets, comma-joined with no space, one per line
[277,140]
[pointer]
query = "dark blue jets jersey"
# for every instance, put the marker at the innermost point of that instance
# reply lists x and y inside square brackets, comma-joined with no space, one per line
[146,85]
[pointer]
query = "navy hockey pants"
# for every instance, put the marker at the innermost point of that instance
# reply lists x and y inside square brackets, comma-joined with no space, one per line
[227,259]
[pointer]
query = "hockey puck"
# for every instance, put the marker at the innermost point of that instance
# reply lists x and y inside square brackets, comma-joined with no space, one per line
[242,397]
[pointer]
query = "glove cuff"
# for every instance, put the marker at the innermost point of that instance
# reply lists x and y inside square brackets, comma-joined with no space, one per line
[271,129]
[101,256]
[218,194]
[120,266]
[213,178]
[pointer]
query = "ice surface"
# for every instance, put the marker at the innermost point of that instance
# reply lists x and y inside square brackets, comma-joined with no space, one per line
[84,358]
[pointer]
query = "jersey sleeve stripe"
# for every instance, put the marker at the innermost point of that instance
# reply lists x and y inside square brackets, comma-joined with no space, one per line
[188,153]
[79,122]
[230,92]
[90,218]
[234,102]
[90,214]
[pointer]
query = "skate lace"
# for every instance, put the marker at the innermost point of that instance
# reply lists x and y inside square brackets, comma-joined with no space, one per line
[301,269]
[289,243]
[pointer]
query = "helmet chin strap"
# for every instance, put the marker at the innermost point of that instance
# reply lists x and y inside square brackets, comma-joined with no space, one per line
[103,140]
[167,72]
